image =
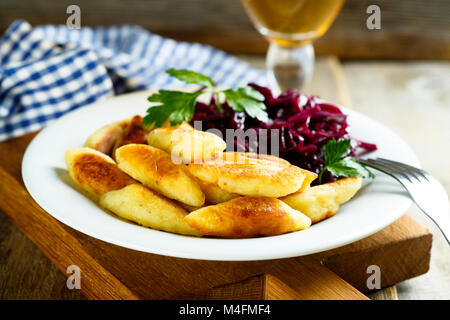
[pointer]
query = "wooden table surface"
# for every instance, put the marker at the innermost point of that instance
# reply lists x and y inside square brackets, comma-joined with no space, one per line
[410,29]
[413,99]
[390,92]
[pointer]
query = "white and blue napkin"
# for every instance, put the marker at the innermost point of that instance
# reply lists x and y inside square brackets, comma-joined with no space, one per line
[47,71]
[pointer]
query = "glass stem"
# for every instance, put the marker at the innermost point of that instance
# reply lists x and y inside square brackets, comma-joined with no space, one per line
[290,67]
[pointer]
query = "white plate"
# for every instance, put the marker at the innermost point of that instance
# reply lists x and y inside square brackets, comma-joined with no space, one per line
[376,205]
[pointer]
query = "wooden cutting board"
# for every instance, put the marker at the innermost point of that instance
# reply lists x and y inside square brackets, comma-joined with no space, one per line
[401,250]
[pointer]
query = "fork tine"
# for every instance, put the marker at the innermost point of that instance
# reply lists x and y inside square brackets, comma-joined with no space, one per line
[407,170]
[419,177]
[422,176]
[388,169]
[418,171]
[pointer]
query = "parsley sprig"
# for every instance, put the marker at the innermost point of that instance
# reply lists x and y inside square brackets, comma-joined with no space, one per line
[179,106]
[339,164]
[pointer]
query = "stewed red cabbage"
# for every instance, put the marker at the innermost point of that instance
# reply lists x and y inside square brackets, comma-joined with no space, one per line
[305,125]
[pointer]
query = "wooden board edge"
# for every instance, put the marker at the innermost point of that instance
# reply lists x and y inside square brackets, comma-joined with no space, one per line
[405,251]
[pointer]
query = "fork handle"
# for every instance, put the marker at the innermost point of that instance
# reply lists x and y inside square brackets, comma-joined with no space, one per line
[441,221]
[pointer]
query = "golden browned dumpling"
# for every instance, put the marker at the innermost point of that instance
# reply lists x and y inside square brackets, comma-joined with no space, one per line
[186,143]
[143,206]
[243,156]
[133,133]
[247,217]
[321,202]
[154,168]
[117,134]
[214,194]
[250,177]
[105,138]
[185,206]
[94,171]
[309,177]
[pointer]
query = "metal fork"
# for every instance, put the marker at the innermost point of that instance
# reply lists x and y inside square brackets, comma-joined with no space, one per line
[424,189]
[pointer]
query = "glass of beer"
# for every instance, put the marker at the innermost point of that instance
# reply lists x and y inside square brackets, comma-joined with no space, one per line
[290,27]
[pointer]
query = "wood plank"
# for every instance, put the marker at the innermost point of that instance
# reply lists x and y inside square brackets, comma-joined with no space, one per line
[308,281]
[25,272]
[389,293]
[275,289]
[402,248]
[410,29]
[252,288]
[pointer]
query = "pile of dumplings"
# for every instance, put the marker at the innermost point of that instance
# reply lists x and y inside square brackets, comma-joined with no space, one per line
[180,180]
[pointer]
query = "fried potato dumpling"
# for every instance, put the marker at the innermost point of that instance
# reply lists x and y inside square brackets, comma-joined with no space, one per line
[154,168]
[186,143]
[133,133]
[94,171]
[105,138]
[247,217]
[186,207]
[143,206]
[112,136]
[214,194]
[321,202]
[309,177]
[250,177]
[243,156]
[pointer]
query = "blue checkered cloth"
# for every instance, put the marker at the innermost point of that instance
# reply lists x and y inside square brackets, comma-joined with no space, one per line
[47,71]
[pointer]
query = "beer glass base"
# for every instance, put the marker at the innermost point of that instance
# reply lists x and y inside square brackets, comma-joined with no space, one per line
[290,67]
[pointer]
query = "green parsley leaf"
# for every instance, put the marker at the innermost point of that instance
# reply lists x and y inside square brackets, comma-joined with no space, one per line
[335,150]
[249,100]
[347,167]
[251,92]
[339,164]
[191,77]
[232,97]
[177,105]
